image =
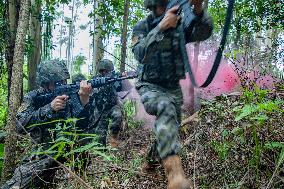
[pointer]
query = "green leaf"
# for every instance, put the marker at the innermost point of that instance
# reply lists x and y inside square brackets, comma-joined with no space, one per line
[281,157]
[106,157]
[237,108]
[274,145]
[84,148]
[237,131]
[260,118]
[225,133]
[246,111]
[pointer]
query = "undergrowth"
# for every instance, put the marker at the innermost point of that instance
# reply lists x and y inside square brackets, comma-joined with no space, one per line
[242,137]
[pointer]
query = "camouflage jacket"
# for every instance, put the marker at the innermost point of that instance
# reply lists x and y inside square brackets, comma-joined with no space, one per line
[37,119]
[104,98]
[146,46]
[117,85]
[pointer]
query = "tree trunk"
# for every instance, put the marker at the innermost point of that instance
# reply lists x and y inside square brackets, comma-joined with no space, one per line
[12,17]
[195,97]
[124,36]
[47,38]
[61,34]
[35,34]
[97,38]
[71,25]
[15,90]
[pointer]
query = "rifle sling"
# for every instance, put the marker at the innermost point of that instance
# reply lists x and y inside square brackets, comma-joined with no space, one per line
[217,60]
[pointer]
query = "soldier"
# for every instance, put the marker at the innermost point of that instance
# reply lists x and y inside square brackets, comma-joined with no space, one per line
[34,169]
[108,114]
[78,78]
[157,48]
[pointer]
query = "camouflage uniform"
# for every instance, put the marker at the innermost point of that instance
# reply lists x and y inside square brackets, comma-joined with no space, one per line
[33,169]
[108,114]
[160,69]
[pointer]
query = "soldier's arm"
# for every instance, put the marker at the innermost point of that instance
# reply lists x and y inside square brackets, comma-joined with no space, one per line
[80,111]
[202,29]
[28,115]
[142,39]
[80,103]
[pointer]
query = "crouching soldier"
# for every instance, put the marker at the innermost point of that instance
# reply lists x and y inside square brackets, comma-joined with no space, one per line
[37,169]
[108,114]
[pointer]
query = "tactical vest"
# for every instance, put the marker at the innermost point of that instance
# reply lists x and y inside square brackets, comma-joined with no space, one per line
[165,66]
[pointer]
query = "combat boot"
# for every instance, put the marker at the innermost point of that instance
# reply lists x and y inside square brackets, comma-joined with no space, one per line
[149,167]
[175,174]
[113,140]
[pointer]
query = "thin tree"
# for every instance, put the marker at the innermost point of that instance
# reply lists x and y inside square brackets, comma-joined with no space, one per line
[35,35]
[97,37]
[124,35]
[195,101]
[15,90]
[12,20]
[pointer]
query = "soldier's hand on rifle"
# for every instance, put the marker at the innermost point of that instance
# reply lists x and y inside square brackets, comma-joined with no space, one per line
[59,103]
[170,20]
[197,6]
[84,92]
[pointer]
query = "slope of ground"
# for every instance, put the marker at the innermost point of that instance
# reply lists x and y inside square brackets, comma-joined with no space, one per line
[233,142]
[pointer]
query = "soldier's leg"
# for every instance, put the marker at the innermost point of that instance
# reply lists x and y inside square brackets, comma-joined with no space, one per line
[32,173]
[153,155]
[163,105]
[102,128]
[116,116]
[166,106]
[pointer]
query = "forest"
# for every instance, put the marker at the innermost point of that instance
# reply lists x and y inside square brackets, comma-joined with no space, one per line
[231,132]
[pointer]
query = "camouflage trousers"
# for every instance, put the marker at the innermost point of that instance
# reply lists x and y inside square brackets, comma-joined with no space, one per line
[165,104]
[39,172]
[33,173]
[109,120]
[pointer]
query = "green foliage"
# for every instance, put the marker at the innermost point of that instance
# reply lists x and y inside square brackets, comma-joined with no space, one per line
[241,135]
[77,63]
[257,109]
[112,12]
[1,156]
[3,34]
[3,100]
[222,148]
[255,36]
[277,145]
[256,106]
[249,16]
[130,112]
[72,145]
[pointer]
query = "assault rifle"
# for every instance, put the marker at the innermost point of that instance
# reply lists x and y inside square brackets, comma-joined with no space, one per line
[72,89]
[186,27]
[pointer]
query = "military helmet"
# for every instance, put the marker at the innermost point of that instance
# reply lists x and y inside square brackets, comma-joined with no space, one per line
[52,71]
[153,3]
[105,64]
[78,77]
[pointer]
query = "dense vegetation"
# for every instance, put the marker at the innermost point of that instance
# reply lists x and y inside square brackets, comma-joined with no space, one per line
[241,135]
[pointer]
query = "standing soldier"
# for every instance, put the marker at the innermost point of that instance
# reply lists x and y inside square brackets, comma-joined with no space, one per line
[34,169]
[108,114]
[157,48]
